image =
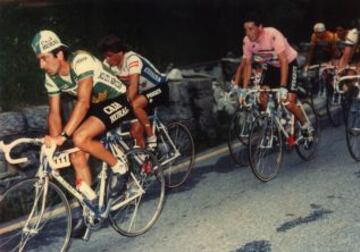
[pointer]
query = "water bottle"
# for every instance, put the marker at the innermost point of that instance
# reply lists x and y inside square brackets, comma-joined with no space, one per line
[86,190]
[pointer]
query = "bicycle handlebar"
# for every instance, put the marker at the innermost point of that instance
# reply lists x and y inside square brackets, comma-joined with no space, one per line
[6,149]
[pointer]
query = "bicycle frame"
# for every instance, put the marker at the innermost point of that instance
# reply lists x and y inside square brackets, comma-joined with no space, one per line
[289,135]
[156,127]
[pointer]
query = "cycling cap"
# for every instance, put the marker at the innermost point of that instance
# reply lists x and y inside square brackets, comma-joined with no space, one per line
[319,27]
[46,41]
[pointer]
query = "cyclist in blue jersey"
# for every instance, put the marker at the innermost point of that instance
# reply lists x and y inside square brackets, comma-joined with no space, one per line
[146,86]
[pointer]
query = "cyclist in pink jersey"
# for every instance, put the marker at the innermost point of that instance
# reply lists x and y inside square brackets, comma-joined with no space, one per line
[269,46]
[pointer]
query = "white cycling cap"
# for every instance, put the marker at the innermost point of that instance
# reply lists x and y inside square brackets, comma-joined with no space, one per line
[319,27]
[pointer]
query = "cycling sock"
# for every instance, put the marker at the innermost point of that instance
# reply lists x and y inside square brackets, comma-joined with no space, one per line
[151,139]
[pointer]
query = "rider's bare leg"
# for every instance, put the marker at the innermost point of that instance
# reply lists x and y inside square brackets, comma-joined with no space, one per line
[139,104]
[84,139]
[82,170]
[137,132]
[293,108]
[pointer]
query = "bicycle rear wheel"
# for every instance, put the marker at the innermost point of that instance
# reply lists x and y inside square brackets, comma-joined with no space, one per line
[34,216]
[265,148]
[143,209]
[352,128]
[178,170]
[238,135]
[307,145]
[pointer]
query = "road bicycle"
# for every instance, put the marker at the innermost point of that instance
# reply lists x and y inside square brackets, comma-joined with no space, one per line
[36,213]
[276,128]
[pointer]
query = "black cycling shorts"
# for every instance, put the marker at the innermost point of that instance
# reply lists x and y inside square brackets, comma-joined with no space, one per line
[156,96]
[113,111]
[271,77]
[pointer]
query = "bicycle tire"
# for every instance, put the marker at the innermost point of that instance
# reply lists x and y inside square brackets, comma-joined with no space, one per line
[177,171]
[22,205]
[154,185]
[265,136]
[238,135]
[333,110]
[352,132]
[306,149]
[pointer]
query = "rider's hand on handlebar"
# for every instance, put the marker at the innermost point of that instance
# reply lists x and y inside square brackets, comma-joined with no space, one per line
[283,93]
[50,140]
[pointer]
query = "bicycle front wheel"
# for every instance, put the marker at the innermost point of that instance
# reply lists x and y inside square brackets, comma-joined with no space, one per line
[137,210]
[238,135]
[176,169]
[265,148]
[353,130]
[35,215]
[307,145]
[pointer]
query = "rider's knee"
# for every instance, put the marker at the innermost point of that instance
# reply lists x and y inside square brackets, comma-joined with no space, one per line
[79,139]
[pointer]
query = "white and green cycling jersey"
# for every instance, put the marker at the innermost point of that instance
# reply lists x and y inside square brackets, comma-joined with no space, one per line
[83,65]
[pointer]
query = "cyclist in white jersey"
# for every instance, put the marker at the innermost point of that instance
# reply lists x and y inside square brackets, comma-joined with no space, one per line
[147,87]
[100,104]
[350,44]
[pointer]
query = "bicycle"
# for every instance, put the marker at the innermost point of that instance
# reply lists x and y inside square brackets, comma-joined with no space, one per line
[275,128]
[241,121]
[175,149]
[36,213]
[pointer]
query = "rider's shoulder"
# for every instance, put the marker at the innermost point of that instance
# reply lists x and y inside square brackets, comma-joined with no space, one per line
[352,37]
[81,56]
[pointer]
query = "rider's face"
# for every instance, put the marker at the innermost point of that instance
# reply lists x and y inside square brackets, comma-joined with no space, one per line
[49,63]
[252,30]
[113,59]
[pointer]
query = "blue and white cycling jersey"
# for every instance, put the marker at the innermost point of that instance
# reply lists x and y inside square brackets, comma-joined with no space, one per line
[134,63]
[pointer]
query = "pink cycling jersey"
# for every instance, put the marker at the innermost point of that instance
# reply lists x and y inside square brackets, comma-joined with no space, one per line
[270,43]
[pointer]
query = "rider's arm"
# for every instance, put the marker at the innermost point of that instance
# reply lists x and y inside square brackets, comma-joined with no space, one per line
[247,72]
[351,41]
[239,71]
[132,90]
[82,105]
[345,58]
[54,118]
[284,68]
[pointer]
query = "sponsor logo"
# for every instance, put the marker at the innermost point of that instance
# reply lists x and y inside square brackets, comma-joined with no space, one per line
[152,74]
[113,107]
[78,61]
[153,93]
[110,79]
[119,114]
[46,44]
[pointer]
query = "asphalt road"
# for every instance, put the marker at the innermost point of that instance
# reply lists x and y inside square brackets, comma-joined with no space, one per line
[309,206]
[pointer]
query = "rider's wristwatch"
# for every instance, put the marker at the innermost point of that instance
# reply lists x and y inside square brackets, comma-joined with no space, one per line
[64,134]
